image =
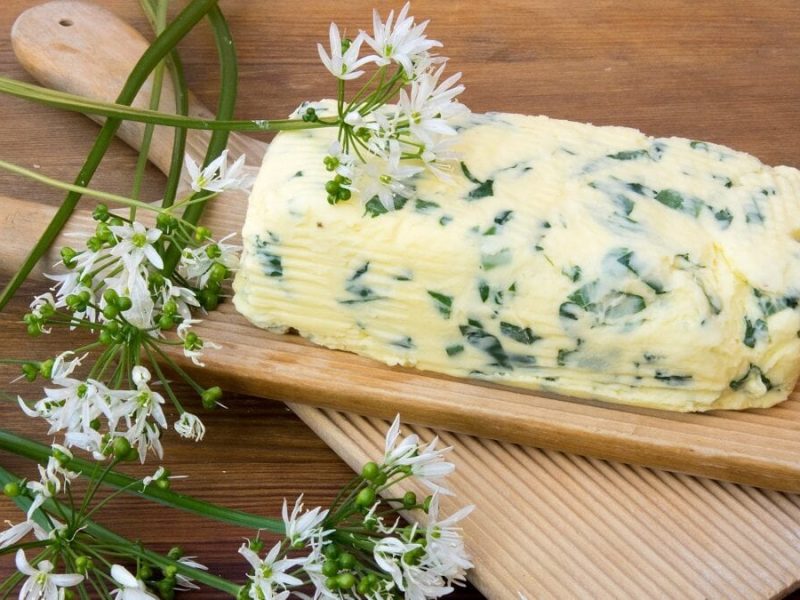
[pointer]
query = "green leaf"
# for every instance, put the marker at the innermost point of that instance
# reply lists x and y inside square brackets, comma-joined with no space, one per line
[444,303]
[622,304]
[425,206]
[483,290]
[454,349]
[523,335]
[725,217]
[479,338]
[670,198]
[629,155]
[503,217]
[482,191]
[374,207]
[752,371]
[754,331]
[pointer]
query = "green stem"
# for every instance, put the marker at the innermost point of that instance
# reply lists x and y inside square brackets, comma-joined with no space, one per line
[175,68]
[131,549]
[77,189]
[229,81]
[182,24]
[29,449]
[155,101]
[87,106]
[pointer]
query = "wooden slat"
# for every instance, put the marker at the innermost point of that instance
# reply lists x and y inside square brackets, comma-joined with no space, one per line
[553,525]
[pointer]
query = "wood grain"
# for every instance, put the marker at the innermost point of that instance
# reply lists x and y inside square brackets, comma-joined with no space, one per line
[665,59]
[758,447]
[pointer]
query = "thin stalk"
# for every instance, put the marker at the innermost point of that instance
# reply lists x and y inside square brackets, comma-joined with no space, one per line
[163,44]
[155,101]
[29,449]
[88,106]
[229,81]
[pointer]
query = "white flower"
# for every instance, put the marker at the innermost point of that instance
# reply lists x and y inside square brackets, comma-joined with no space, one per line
[429,104]
[52,479]
[159,474]
[426,463]
[195,263]
[129,588]
[135,244]
[444,543]
[143,414]
[15,533]
[270,575]
[388,178]
[194,352]
[409,566]
[42,583]
[301,527]
[402,42]
[343,64]
[184,583]
[190,426]
[217,176]
[344,164]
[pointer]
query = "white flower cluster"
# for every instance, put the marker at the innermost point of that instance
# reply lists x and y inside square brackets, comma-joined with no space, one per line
[404,562]
[76,407]
[382,147]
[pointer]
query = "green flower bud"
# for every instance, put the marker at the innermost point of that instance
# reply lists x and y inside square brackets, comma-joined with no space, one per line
[332,187]
[94,244]
[100,213]
[380,479]
[170,571]
[120,447]
[12,489]
[347,561]
[110,311]
[162,483]
[165,322]
[110,296]
[175,553]
[211,396]
[370,471]
[95,424]
[330,568]
[213,251]
[426,505]
[363,586]
[165,222]
[166,588]
[124,303]
[345,581]
[46,368]
[366,498]
[30,371]
[218,272]
[209,299]
[256,545]
[332,583]
[409,499]
[201,234]
[330,551]
[68,256]
[83,564]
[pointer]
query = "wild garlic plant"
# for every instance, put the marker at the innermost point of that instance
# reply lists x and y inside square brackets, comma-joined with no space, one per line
[138,289]
[357,548]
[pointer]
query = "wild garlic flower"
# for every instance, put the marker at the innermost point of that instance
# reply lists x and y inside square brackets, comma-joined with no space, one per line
[270,576]
[401,40]
[301,526]
[15,533]
[444,543]
[53,478]
[129,587]
[343,62]
[217,176]
[42,583]
[190,426]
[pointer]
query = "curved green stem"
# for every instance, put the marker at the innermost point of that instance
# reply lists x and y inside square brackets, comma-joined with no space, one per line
[163,44]
[29,449]
[229,81]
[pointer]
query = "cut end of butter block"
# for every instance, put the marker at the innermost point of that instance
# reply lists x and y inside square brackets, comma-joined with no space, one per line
[592,262]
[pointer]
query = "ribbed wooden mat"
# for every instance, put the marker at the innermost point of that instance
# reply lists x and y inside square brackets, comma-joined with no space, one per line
[552,525]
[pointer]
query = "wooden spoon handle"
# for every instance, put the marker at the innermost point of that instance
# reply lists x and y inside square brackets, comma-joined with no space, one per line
[84,49]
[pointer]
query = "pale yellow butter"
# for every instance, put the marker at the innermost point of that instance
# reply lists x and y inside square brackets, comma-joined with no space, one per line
[594,262]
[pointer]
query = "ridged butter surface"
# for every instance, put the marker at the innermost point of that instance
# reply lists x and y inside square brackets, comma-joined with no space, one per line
[594,262]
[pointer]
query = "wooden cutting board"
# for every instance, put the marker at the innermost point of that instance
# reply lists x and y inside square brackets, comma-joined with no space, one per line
[559,526]
[93,55]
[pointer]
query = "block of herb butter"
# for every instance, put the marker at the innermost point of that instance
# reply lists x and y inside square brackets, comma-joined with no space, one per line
[594,262]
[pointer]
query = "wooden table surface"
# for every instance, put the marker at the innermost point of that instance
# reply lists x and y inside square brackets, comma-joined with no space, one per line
[721,70]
